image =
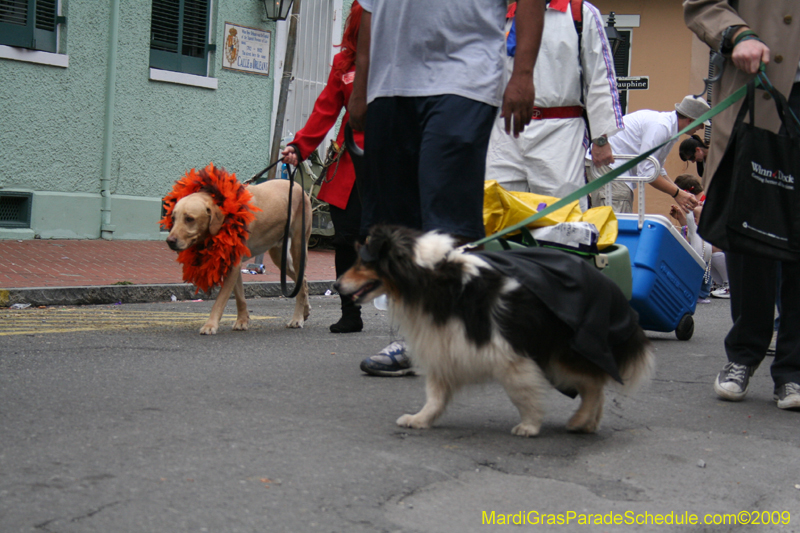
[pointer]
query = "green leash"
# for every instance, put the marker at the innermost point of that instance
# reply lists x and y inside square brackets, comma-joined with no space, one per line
[606,178]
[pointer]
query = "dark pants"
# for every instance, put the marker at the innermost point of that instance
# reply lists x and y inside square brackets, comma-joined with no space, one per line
[754,284]
[425,160]
[753,291]
[347,223]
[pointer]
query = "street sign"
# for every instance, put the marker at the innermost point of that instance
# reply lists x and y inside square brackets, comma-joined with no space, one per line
[633,83]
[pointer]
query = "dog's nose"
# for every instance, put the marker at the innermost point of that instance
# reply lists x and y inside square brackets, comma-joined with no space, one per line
[172,242]
[336,285]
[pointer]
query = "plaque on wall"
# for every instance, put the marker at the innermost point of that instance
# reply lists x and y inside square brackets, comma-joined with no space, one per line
[246,49]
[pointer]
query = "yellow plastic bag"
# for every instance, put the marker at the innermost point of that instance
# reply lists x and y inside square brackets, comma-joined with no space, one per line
[502,208]
[603,217]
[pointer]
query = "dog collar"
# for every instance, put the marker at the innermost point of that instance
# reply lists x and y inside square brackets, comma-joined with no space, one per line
[207,263]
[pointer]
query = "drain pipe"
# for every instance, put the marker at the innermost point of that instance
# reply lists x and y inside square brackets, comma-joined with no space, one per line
[106,229]
[286,80]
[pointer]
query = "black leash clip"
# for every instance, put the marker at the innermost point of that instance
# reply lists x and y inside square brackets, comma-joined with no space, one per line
[716,64]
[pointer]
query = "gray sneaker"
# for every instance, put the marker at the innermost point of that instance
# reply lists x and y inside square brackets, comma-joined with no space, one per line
[391,362]
[787,396]
[731,383]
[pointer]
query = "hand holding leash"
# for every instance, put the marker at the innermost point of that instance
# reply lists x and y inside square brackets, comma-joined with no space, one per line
[290,156]
[749,55]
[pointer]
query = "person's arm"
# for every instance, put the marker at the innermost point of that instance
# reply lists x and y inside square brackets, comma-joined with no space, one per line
[702,248]
[602,155]
[652,136]
[357,106]
[686,200]
[710,20]
[748,55]
[323,117]
[600,88]
[520,93]
[678,214]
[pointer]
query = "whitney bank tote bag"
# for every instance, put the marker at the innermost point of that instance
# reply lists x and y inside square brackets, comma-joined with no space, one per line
[752,204]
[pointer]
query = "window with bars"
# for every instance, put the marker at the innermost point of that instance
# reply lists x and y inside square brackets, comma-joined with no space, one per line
[29,24]
[179,36]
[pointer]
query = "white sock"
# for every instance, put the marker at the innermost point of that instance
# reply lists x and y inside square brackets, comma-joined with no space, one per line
[719,270]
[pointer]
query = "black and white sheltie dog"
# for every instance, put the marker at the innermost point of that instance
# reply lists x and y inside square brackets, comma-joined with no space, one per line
[466,322]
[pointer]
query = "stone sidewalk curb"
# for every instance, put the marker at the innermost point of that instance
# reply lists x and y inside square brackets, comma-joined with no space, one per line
[111,294]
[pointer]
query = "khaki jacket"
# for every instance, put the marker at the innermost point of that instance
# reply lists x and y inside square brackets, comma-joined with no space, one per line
[777,23]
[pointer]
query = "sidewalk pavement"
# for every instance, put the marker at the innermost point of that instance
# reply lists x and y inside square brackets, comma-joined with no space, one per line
[80,272]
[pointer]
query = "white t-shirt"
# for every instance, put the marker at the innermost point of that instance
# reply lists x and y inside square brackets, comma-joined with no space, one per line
[427,48]
[645,129]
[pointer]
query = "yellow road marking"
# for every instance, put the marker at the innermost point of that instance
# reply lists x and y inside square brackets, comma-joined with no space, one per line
[70,320]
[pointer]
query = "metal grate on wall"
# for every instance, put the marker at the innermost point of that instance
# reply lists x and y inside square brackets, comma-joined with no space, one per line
[15,209]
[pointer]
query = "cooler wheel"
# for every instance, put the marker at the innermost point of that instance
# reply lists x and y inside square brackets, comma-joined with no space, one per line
[685,328]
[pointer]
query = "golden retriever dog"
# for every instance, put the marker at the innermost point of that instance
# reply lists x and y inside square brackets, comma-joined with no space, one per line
[196,216]
[468,318]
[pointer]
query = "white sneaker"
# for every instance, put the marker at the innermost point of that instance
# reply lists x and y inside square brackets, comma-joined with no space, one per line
[722,292]
[788,396]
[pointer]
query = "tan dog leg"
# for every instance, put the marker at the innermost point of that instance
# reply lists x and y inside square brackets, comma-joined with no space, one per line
[438,396]
[212,325]
[587,418]
[242,316]
[301,307]
[525,384]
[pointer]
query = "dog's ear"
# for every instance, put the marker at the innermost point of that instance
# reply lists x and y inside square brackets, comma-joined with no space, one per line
[369,251]
[215,218]
[377,245]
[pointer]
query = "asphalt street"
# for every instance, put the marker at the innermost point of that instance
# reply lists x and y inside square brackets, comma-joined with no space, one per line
[121,418]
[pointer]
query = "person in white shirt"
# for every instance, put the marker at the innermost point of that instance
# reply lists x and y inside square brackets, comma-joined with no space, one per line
[645,129]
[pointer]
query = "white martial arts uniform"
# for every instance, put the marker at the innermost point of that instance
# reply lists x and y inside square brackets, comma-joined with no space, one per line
[548,156]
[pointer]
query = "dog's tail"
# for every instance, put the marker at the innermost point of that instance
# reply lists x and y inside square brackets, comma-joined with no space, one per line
[635,361]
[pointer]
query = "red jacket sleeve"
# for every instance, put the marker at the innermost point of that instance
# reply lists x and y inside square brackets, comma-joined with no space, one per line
[326,112]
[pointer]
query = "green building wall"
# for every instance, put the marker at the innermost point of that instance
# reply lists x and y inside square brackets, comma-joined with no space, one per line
[52,123]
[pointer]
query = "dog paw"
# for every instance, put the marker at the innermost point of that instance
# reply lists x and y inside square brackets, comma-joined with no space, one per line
[241,325]
[295,323]
[208,329]
[412,421]
[526,430]
[579,424]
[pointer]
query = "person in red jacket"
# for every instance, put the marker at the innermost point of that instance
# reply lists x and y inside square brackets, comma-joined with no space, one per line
[338,188]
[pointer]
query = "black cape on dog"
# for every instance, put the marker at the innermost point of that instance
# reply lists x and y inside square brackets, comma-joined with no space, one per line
[587,301]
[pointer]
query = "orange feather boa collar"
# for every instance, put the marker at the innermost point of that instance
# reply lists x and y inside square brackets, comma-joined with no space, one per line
[206,263]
